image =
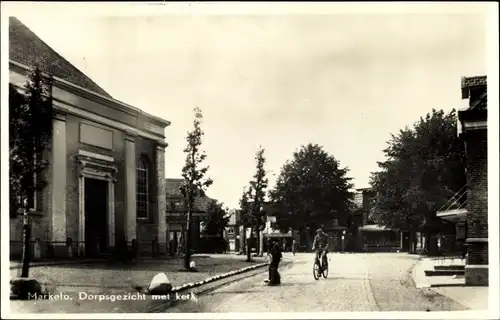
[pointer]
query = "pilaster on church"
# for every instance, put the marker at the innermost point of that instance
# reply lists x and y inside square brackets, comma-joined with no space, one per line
[130,183]
[161,194]
[58,181]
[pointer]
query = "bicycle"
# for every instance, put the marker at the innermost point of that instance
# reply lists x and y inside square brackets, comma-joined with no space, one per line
[320,269]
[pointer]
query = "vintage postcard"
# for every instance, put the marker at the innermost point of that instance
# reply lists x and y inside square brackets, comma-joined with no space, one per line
[249,160]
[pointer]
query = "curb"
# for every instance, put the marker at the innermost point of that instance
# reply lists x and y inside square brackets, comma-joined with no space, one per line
[169,303]
[218,277]
[447,285]
[414,273]
[421,281]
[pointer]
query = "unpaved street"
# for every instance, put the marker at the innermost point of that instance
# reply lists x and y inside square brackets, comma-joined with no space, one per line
[357,282]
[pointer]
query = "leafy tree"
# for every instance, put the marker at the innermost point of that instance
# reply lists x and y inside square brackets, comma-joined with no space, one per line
[194,174]
[311,190]
[30,132]
[258,186]
[423,170]
[217,219]
[255,198]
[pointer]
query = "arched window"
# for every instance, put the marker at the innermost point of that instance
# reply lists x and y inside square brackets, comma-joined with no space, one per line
[142,188]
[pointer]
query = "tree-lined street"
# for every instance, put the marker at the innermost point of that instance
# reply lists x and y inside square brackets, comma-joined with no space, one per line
[356,282]
[301,134]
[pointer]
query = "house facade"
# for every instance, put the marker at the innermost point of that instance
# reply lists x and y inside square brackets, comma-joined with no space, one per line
[232,232]
[468,209]
[474,124]
[175,215]
[369,235]
[105,182]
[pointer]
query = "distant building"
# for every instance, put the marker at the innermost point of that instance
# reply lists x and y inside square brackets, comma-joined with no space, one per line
[373,237]
[232,232]
[177,219]
[107,162]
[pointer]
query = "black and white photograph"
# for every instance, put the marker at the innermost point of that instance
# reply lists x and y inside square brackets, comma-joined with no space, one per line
[249,160]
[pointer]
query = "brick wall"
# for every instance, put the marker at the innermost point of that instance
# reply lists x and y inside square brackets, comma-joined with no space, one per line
[477,197]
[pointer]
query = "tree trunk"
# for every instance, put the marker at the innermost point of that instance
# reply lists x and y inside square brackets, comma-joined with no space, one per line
[257,240]
[26,250]
[422,241]
[187,253]
[411,241]
[180,241]
[243,240]
[260,252]
[249,245]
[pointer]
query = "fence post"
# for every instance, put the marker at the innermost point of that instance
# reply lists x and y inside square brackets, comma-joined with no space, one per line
[135,248]
[97,246]
[69,246]
[154,249]
[37,254]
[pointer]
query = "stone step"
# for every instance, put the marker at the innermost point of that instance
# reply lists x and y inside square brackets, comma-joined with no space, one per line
[433,273]
[458,267]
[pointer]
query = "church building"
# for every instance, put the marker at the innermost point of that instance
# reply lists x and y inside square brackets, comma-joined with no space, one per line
[106,178]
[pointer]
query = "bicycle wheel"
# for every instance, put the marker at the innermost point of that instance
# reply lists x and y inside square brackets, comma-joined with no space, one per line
[325,272]
[316,271]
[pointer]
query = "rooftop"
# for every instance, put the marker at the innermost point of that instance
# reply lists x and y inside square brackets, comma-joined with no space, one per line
[475,89]
[27,48]
[476,81]
[174,193]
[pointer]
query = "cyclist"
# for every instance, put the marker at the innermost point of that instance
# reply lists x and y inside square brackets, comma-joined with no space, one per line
[320,246]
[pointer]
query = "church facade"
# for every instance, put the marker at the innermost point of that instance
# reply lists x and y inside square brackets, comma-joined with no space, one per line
[106,179]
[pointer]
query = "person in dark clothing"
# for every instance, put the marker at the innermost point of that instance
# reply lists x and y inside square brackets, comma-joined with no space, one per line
[276,256]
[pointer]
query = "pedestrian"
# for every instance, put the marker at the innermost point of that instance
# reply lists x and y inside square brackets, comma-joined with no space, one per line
[271,253]
[284,245]
[294,244]
[274,275]
[275,257]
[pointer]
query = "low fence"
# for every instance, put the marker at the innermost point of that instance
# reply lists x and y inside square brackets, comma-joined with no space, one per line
[43,249]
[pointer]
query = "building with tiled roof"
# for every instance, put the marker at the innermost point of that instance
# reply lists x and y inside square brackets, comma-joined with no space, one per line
[470,82]
[176,214]
[106,182]
[175,200]
[474,89]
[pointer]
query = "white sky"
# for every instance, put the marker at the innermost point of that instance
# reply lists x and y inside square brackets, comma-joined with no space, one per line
[343,81]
